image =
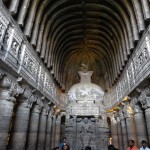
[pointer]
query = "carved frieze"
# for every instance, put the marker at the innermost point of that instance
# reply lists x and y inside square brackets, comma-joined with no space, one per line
[29,66]
[3,26]
[141,59]
[131,77]
[17,53]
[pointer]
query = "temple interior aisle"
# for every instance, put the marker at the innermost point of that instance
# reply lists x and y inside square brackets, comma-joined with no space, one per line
[76,69]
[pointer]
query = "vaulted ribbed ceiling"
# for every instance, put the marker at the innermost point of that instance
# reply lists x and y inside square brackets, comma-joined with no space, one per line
[67,33]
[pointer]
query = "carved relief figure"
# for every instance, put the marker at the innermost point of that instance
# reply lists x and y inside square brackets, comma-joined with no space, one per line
[85,132]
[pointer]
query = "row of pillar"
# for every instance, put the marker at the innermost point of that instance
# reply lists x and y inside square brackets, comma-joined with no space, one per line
[132,121]
[26,121]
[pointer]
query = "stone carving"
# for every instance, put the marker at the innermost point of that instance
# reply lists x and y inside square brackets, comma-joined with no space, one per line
[134,104]
[51,112]
[121,115]
[141,59]
[137,109]
[20,56]
[85,131]
[30,97]
[14,91]
[128,111]
[3,26]
[144,98]
[39,104]
[30,64]
[6,41]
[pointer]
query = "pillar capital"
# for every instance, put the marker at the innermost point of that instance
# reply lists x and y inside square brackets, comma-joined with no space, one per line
[51,112]
[121,115]
[38,106]
[128,111]
[45,111]
[58,118]
[54,116]
[144,98]
[31,98]
[14,91]
[137,109]
[135,105]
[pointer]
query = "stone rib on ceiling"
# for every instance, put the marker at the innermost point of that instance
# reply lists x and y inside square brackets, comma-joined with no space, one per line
[82,33]
[99,33]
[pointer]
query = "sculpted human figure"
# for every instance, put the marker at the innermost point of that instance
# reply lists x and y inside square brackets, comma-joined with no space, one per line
[85,132]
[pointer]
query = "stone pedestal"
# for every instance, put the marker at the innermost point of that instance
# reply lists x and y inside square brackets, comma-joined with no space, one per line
[140,124]
[20,127]
[53,133]
[33,127]
[42,130]
[48,132]
[57,131]
[114,132]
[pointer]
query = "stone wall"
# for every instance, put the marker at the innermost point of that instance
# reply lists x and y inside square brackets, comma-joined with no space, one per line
[18,56]
[136,71]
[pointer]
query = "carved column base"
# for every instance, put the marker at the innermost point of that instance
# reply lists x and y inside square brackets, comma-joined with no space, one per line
[20,127]
[6,110]
[33,129]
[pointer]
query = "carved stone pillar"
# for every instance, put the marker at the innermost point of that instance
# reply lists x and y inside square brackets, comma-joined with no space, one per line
[130,123]
[119,133]
[140,124]
[144,98]
[33,125]
[7,100]
[48,131]
[53,132]
[57,130]
[42,130]
[123,129]
[114,131]
[21,121]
